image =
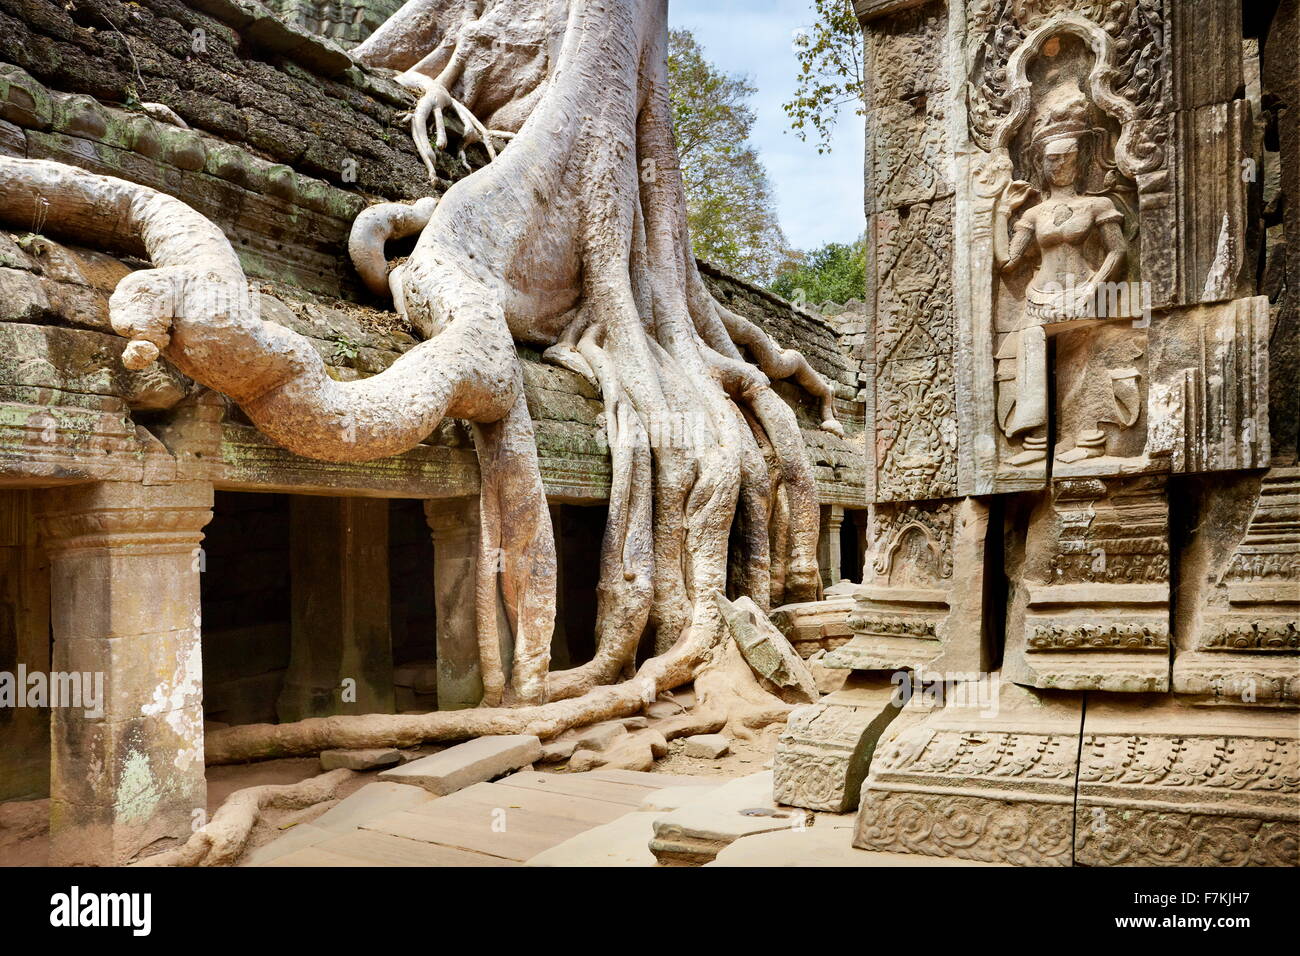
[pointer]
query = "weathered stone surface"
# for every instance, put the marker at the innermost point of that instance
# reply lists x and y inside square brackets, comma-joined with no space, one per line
[469,763]
[621,842]
[600,736]
[815,625]
[1168,784]
[1089,605]
[359,759]
[694,834]
[767,651]
[370,802]
[706,746]
[1209,387]
[674,798]
[923,598]
[125,591]
[825,751]
[554,751]
[1237,622]
[828,843]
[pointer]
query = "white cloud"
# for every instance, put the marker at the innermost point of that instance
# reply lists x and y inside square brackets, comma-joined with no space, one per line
[819,197]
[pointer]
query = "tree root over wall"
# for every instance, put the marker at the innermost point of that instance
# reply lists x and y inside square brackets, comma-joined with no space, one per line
[573,239]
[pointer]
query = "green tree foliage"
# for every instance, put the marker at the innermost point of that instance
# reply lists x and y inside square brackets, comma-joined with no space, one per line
[836,272]
[729,201]
[831,71]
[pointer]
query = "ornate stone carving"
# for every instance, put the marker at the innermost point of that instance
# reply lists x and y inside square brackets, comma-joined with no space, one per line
[1171,785]
[921,602]
[915,390]
[1238,616]
[826,748]
[1092,610]
[992,787]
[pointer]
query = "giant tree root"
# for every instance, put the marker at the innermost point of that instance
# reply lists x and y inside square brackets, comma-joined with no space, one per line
[725,687]
[222,841]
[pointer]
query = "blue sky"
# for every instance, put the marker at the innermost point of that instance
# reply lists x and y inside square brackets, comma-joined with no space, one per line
[819,198]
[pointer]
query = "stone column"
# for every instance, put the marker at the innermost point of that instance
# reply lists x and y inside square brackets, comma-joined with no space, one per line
[24,642]
[127,736]
[828,544]
[341,655]
[454,524]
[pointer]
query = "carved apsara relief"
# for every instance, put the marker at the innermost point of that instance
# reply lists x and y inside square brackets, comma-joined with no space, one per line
[1060,99]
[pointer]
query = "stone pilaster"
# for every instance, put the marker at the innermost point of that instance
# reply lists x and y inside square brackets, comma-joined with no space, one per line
[341,660]
[454,524]
[127,762]
[828,544]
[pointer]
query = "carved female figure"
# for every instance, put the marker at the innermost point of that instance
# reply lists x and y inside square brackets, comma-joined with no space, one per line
[1078,239]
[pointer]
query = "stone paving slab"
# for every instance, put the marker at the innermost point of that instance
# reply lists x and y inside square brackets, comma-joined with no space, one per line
[485,824]
[500,795]
[384,849]
[621,842]
[314,856]
[516,835]
[656,781]
[296,838]
[579,785]
[372,800]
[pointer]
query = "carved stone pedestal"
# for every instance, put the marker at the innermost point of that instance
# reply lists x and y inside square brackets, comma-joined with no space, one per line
[1090,603]
[1166,783]
[993,784]
[1239,608]
[922,600]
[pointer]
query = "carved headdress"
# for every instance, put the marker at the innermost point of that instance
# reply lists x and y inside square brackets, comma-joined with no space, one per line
[1065,118]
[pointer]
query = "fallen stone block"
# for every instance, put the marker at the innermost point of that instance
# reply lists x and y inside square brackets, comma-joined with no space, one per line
[811,626]
[584,760]
[686,725]
[657,742]
[599,736]
[829,679]
[767,651]
[707,746]
[694,834]
[825,751]
[554,751]
[359,759]
[472,762]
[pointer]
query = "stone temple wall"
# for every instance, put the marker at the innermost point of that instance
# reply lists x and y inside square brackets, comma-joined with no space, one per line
[346,22]
[108,478]
[1080,368]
